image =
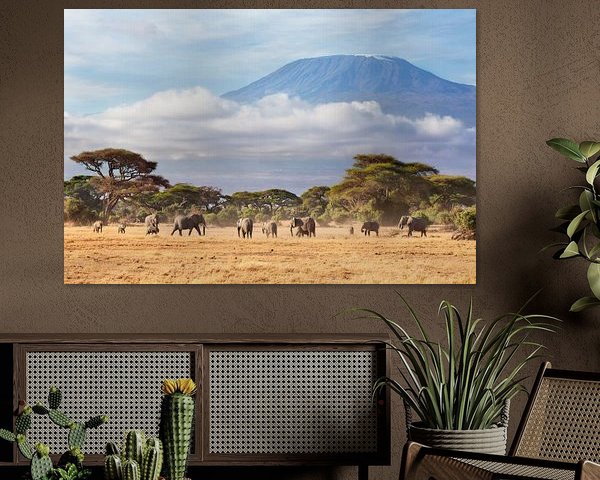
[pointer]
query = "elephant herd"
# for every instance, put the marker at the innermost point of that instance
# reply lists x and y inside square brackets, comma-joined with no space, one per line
[304,226]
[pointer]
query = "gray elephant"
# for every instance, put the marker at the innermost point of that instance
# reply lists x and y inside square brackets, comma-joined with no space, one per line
[245,227]
[97,226]
[416,224]
[189,222]
[270,228]
[121,228]
[151,222]
[306,225]
[369,227]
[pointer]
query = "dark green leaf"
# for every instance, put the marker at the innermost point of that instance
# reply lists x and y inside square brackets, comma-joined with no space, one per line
[570,251]
[562,228]
[568,148]
[594,251]
[592,172]
[558,244]
[568,213]
[575,223]
[583,303]
[593,276]
[589,149]
[585,203]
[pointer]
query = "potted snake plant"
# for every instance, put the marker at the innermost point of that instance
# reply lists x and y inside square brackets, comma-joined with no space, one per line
[460,391]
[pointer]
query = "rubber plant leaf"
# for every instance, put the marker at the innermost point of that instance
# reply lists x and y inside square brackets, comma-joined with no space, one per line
[583,303]
[572,250]
[568,213]
[593,275]
[575,223]
[589,149]
[592,172]
[568,148]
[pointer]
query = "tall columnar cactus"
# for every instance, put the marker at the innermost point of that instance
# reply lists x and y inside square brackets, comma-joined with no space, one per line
[177,413]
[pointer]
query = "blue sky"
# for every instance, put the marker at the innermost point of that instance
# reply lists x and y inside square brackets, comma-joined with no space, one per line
[121,64]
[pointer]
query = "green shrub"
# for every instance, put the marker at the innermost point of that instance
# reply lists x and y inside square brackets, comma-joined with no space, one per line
[465,219]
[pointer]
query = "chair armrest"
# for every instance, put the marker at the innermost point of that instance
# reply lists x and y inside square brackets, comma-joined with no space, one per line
[589,470]
[421,462]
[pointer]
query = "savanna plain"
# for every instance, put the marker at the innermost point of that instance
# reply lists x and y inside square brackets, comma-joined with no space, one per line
[220,257]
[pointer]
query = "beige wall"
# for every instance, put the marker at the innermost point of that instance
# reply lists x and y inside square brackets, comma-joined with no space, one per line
[538,77]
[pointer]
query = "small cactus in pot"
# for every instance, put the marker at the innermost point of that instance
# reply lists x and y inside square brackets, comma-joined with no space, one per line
[141,460]
[177,414]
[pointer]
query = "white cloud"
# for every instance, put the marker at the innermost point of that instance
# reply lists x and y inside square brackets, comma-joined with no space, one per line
[436,126]
[80,88]
[193,124]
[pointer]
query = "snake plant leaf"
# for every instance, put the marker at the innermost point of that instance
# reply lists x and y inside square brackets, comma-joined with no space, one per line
[576,223]
[568,148]
[572,250]
[583,303]
[592,172]
[568,213]
[589,149]
[593,276]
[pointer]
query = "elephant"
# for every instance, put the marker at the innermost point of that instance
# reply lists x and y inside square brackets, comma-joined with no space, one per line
[151,222]
[351,230]
[97,226]
[369,227]
[270,228]
[417,224]
[121,228]
[189,222]
[307,225]
[245,226]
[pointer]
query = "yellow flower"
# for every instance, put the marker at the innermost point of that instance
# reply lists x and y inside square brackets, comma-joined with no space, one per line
[186,386]
[169,386]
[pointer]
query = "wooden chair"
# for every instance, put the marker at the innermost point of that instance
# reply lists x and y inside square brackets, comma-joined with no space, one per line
[558,438]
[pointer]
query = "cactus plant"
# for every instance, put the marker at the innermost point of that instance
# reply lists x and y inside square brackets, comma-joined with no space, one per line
[134,446]
[131,470]
[153,459]
[113,468]
[147,456]
[23,421]
[41,464]
[177,412]
[7,435]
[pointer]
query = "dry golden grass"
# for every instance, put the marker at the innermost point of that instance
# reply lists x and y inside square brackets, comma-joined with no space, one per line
[220,257]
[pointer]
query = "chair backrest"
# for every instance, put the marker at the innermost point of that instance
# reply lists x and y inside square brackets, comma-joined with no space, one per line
[562,418]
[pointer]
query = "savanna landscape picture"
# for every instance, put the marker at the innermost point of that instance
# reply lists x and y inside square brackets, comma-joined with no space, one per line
[269,146]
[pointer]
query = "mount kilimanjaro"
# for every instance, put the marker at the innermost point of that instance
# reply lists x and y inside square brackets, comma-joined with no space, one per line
[398,86]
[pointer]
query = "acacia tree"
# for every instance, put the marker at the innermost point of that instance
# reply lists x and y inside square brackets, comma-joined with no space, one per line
[276,198]
[315,200]
[451,190]
[120,174]
[383,183]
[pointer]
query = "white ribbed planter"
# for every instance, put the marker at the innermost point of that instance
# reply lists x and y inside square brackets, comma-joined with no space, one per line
[490,440]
